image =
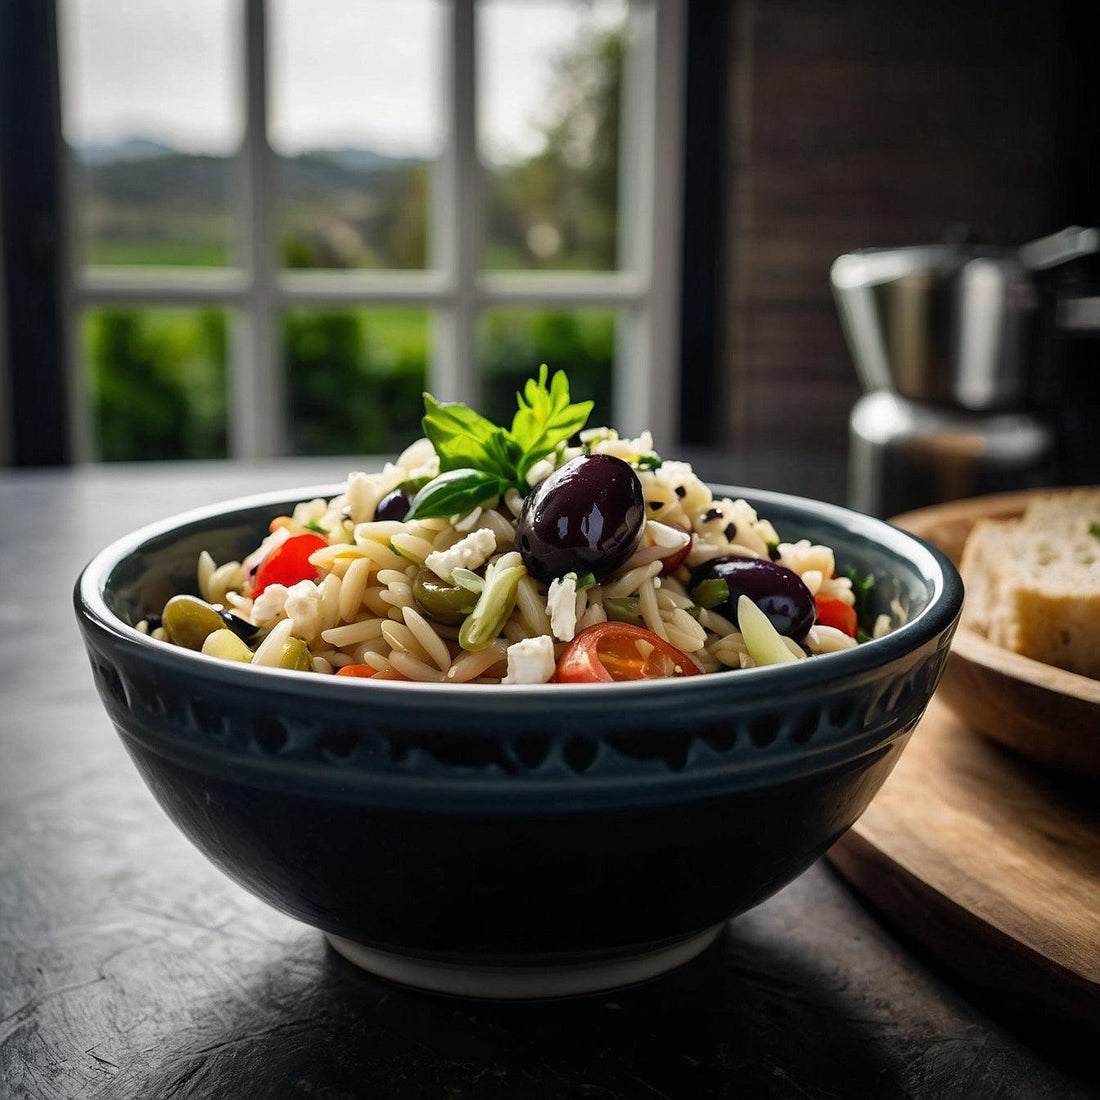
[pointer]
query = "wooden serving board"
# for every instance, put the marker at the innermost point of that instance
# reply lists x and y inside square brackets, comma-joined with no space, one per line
[992,865]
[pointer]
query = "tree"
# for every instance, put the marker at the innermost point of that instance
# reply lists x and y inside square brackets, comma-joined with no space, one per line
[572,185]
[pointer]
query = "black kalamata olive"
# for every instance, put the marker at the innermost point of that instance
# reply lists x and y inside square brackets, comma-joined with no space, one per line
[241,627]
[776,590]
[393,506]
[586,517]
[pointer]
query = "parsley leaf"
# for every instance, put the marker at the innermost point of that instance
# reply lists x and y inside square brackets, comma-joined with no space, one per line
[465,440]
[455,493]
[545,418]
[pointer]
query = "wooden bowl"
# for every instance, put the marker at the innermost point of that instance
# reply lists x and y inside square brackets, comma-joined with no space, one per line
[1044,713]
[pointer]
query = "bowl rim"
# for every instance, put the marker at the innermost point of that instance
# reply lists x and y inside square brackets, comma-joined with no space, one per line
[938,615]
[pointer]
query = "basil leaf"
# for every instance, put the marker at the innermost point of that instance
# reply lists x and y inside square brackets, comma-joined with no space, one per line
[454,493]
[465,440]
[545,417]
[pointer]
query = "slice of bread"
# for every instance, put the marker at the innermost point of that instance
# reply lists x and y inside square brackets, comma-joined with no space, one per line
[1033,583]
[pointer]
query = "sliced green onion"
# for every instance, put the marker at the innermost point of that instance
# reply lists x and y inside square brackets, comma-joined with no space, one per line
[711,593]
[468,579]
[585,580]
[481,627]
[623,609]
[762,640]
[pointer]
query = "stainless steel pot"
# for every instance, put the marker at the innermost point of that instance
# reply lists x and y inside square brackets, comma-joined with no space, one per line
[950,324]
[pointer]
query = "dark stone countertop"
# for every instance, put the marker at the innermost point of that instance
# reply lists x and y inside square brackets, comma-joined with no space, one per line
[131,968]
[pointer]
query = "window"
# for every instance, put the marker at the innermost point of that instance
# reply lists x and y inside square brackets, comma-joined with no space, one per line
[334,225]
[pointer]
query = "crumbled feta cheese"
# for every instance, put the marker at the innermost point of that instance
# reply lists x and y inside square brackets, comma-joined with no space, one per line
[362,496]
[468,553]
[540,472]
[561,606]
[303,608]
[309,511]
[530,661]
[269,604]
[661,534]
[629,450]
[597,435]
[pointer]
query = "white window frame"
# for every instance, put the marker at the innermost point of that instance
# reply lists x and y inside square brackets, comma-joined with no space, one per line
[645,290]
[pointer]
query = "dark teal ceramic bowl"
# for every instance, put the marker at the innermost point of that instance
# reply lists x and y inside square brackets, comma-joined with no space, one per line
[513,841]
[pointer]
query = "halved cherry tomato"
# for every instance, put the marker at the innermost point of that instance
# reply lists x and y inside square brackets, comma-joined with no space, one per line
[288,563]
[611,651]
[836,613]
[368,672]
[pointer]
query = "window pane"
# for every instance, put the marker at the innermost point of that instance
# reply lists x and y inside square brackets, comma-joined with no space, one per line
[355,379]
[152,114]
[548,115]
[156,379]
[513,342]
[356,120]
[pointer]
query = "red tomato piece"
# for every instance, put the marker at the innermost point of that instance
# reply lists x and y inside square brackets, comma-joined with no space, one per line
[367,672]
[288,563]
[610,651]
[836,613]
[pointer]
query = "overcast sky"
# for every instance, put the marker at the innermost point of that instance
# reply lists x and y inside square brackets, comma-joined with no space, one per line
[361,73]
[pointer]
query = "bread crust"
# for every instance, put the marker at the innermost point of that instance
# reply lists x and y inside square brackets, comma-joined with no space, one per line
[1033,583]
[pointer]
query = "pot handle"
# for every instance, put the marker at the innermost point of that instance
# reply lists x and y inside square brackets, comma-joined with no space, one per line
[1059,248]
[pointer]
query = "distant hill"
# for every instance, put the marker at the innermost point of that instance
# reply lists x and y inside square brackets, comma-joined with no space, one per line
[130,149]
[145,173]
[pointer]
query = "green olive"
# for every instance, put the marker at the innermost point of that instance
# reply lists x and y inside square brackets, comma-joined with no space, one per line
[188,621]
[296,655]
[443,602]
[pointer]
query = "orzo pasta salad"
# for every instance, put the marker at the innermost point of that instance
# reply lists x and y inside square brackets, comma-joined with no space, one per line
[543,552]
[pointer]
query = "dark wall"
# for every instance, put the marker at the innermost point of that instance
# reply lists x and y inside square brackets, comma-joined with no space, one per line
[855,124]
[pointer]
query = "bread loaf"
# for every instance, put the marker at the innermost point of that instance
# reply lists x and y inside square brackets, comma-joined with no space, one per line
[1033,583]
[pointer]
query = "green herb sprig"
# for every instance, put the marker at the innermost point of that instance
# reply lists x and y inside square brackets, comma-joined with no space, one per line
[862,587]
[479,460]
